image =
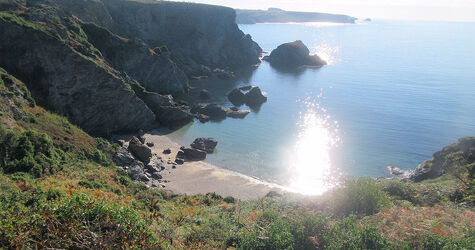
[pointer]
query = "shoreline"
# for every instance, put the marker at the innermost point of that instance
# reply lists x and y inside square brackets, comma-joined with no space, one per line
[198,177]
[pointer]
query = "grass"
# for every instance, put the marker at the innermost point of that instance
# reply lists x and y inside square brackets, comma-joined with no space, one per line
[59,189]
[12,18]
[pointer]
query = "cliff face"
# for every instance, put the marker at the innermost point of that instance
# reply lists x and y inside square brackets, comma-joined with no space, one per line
[62,79]
[80,58]
[199,36]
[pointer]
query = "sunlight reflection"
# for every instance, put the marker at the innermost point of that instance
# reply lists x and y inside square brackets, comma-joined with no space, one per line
[326,52]
[311,164]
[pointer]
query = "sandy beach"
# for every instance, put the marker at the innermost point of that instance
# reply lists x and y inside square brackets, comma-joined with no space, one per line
[200,177]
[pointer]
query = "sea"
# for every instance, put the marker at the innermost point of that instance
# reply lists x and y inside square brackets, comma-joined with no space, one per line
[393,93]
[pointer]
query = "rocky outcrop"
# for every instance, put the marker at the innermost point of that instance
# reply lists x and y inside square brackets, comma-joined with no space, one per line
[213,111]
[250,95]
[453,156]
[79,58]
[167,111]
[192,154]
[205,144]
[236,113]
[61,78]
[139,150]
[293,55]
[237,97]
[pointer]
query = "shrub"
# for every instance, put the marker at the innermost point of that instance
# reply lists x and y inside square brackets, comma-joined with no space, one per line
[229,199]
[346,234]
[27,151]
[435,242]
[360,196]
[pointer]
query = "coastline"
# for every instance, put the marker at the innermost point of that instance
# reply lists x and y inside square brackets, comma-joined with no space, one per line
[198,177]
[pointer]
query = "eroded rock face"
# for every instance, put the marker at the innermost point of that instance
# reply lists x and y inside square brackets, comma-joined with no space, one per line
[91,94]
[293,55]
[199,36]
[205,144]
[151,67]
[139,150]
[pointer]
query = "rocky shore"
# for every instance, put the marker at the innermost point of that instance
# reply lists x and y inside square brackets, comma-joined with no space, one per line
[192,176]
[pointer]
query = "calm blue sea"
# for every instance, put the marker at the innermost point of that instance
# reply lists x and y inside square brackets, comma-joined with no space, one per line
[394,93]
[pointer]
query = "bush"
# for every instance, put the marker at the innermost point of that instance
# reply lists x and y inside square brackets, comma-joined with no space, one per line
[348,235]
[435,242]
[400,190]
[360,196]
[27,151]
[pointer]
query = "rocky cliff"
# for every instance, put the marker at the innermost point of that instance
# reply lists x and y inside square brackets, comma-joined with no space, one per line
[200,37]
[81,58]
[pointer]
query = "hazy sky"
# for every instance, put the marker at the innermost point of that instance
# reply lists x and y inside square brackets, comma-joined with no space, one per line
[454,10]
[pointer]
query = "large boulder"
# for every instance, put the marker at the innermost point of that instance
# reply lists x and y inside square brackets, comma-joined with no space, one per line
[255,97]
[237,97]
[139,150]
[192,154]
[293,55]
[214,111]
[252,96]
[205,144]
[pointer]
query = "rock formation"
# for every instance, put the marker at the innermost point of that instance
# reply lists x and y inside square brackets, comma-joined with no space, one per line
[293,55]
[85,59]
[205,144]
[250,95]
[446,159]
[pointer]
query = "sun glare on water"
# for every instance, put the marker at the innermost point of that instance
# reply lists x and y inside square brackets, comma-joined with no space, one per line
[311,166]
[326,52]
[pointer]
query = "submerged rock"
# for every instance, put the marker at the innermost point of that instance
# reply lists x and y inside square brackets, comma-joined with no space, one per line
[293,55]
[241,114]
[139,150]
[205,144]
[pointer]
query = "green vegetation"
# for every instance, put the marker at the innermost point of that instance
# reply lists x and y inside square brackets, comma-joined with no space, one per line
[59,189]
[12,18]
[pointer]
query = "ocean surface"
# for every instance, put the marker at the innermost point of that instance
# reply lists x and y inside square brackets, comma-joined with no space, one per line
[394,92]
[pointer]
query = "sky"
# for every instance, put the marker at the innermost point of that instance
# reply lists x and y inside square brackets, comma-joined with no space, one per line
[445,10]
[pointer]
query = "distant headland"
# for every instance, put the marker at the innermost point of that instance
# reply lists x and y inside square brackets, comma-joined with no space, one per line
[275,15]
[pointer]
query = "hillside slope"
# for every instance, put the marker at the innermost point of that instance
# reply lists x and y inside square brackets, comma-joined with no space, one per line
[60,189]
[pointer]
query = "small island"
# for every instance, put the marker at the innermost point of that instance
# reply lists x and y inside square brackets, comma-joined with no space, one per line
[293,55]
